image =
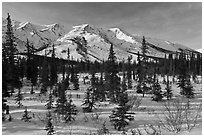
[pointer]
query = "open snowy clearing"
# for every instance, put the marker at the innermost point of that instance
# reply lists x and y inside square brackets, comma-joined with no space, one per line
[86,123]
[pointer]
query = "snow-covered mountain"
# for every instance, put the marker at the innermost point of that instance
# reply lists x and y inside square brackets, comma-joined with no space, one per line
[88,42]
[98,40]
[39,35]
[199,50]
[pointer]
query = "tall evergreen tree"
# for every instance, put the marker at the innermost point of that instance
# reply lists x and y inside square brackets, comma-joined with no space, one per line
[65,107]
[61,101]
[120,116]
[111,77]
[74,77]
[44,75]
[53,67]
[129,73]
[95,87]
[9,61]
[32,68]
[143,67]
[29,63]
[184,78]
[101,89]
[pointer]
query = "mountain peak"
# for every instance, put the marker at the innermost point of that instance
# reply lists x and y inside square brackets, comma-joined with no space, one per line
[83,27]
[122,35]
[24,24]
[55,25]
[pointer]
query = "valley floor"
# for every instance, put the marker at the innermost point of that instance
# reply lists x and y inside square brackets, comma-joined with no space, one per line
[86,123]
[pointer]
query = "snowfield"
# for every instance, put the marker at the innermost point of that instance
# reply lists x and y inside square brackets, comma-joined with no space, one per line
[87,123]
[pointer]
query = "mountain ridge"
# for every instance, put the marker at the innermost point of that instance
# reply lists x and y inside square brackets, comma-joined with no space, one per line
[88,42]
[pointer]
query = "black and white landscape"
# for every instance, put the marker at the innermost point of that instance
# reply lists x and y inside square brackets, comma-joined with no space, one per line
[91,73]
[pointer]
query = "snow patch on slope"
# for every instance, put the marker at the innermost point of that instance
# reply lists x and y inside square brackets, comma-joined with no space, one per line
[120,35]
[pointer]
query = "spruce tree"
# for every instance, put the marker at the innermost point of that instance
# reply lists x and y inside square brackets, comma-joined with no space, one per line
[89,100]
[188,90]
[33,68]
[74,77]
[50,101]
[129,73]
[157,91]
[3,117]
[101,89]
[53,67]
[143,70]
[10,118]
[76,82]
[139,74]
[168,89]
[10,76]
[62,99]
[95,87]
[29,63]
[44,75]
[184,78]
[111,77]
[65,107]
[120,116]
[26,117]
[49,126]
[19,98]
[71,111]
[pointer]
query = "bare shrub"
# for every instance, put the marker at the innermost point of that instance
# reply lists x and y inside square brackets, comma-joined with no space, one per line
[179,116]
[85,118]
[95,116]
[103,130]
[147,130]
[134,102]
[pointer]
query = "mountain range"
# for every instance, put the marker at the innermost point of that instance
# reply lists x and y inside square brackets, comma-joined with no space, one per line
[87,42]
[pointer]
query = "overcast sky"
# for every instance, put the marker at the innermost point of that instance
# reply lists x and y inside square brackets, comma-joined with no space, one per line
[176,22]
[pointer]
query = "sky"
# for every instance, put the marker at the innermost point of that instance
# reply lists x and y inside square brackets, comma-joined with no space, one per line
[175,22]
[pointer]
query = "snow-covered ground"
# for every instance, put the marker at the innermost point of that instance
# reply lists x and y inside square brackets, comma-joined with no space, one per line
[86,123]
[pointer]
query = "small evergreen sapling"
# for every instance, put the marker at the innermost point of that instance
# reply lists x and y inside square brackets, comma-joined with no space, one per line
[19,98]
[50,101]
[70,111]
[157,91]
[26,117]
[10,118]
[188,90]
[3,117]
[89,101]
[168,92]
[7,109]
[49,127]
